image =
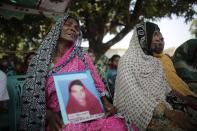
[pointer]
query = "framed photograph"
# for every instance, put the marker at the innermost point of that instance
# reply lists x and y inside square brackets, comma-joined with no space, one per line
[78,97]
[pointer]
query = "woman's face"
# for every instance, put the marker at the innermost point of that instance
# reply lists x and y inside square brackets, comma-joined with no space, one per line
[116,61]
[157,44]
[78,92]
[70,30]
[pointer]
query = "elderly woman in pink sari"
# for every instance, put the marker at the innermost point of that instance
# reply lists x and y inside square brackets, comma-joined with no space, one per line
[60,52]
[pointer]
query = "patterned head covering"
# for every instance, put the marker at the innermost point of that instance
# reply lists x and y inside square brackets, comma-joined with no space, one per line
[145,34]
[140,82]
[33,100]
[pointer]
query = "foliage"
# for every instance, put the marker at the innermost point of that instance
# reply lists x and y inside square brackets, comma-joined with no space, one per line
[119,17]
[98,18]
[19,36]
[193,28]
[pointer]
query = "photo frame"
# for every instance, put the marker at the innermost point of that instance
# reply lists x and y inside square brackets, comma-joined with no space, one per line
[78,97]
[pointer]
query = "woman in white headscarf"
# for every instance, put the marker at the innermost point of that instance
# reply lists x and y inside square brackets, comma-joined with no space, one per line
[141,87]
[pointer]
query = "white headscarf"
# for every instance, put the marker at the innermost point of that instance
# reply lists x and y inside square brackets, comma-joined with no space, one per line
[140,83]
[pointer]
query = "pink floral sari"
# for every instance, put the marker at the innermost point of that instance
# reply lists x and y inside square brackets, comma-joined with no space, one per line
[112,123]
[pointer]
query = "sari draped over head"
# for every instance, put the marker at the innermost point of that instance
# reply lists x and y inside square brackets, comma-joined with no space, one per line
[92,103]
[33,112]
[140,83]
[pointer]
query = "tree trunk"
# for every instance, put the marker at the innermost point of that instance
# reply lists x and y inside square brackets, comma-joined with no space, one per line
[99,48]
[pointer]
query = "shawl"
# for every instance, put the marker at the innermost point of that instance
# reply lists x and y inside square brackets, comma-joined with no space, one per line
[175,82]
[92,103]
[33,112]
[140,83]
[185,60]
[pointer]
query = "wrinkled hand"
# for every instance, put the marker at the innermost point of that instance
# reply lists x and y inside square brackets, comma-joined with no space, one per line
[180,118]
[54,121]
[111,110]
[109,107]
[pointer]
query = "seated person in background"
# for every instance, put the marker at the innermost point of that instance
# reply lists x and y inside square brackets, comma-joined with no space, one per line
[182,93]
[3,91]
[112,72]
[101,67]
[20,68]
[185,63]
[8,66]
[27,60]
[4,65]
[141,87]
[175,82]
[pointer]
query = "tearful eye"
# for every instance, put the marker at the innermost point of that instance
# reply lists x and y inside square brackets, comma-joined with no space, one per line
[67,24]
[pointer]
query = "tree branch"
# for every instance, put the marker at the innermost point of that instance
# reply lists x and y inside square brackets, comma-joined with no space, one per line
[134,19]
[119,36]
[137,10]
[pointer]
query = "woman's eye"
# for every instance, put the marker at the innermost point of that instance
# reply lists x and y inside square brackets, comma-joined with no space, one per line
[67,24]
